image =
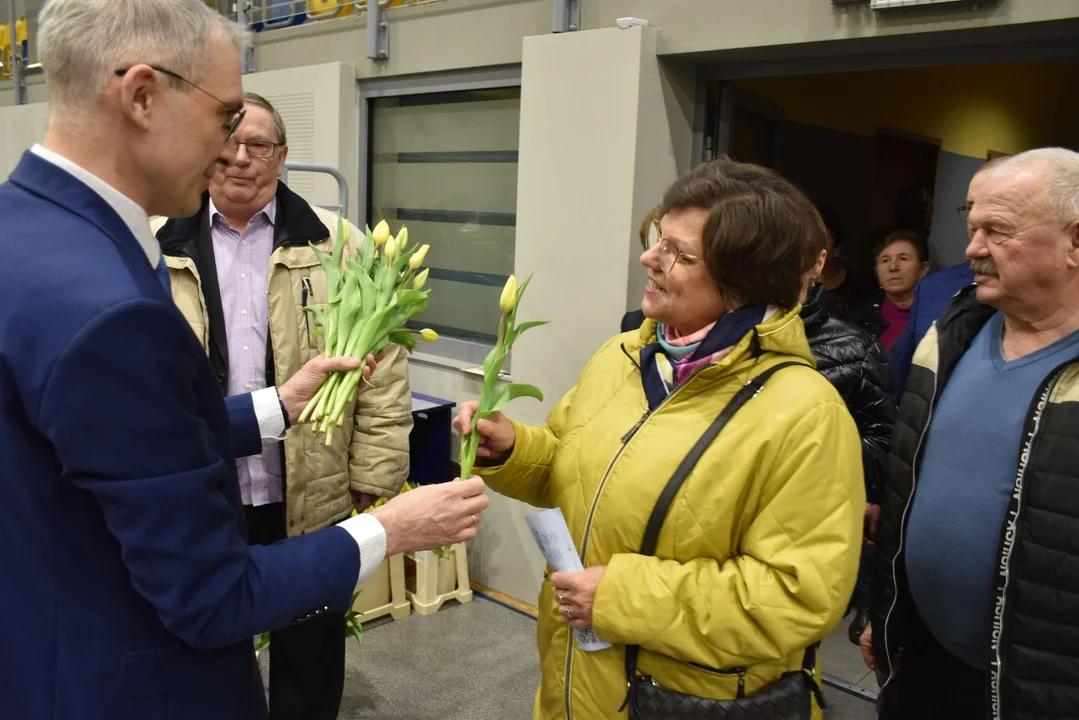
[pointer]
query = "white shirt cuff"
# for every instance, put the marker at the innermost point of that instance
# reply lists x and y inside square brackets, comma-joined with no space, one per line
[369,534]
[271,421]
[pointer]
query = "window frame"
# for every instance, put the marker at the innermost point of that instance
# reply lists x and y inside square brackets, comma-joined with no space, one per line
[461,353]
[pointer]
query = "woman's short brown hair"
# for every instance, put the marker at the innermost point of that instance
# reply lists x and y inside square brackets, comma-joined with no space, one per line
[650,221]
[762,235]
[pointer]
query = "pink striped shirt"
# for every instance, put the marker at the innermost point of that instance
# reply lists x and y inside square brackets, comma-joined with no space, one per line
[243,268]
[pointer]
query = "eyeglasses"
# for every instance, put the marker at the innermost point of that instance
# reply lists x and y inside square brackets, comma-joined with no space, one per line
[238,118]
[669,255]
[258,148]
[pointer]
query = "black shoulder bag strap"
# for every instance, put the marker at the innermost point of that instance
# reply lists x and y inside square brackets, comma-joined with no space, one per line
[659,512]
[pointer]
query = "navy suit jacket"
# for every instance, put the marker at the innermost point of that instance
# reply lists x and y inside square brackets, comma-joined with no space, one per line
[932,297]
[127,588]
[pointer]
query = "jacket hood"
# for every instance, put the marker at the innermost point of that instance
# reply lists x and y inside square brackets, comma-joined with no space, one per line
[297,224]
[782,333]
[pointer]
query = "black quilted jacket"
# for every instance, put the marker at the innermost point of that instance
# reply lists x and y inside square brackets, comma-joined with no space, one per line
[857,366]
[1033,651]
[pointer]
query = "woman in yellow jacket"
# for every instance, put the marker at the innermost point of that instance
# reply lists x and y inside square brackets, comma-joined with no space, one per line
[759,552]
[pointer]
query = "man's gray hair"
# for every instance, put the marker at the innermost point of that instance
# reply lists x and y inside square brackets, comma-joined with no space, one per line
[82,43]
[1061,169]
[257,100]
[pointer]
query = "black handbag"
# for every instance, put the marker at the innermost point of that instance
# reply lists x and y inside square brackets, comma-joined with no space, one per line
[789,698]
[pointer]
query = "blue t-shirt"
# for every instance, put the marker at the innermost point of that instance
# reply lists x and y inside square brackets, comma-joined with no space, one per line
[965,482]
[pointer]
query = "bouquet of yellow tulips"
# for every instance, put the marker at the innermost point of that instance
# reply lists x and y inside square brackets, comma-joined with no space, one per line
[371,297]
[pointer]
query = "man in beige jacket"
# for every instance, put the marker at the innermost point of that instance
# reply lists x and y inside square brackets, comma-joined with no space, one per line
[242,272]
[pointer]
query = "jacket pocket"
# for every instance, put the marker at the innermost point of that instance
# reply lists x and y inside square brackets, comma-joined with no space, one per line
[161,671]
[308,325]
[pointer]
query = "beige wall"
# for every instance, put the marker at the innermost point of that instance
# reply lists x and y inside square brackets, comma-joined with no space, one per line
[457,34]
[582,187]
[445,35]
[318,105]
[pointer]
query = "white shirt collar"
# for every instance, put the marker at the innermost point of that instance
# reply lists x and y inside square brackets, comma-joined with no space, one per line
[129,211]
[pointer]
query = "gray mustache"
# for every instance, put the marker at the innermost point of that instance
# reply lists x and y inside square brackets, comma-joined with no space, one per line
[984,266]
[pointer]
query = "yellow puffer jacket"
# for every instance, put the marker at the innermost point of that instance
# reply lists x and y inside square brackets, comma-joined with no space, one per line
[759,552]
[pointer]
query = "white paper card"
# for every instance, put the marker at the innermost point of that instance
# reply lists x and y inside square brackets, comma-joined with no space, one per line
[552,536]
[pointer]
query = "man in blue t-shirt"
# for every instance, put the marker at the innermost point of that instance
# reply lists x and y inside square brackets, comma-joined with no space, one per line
[975,605]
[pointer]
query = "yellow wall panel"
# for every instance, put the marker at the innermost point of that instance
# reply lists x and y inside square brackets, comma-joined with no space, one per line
[1007,107]
[325,9]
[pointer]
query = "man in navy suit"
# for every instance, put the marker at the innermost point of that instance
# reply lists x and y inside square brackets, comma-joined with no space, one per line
[128,590]
[932,296]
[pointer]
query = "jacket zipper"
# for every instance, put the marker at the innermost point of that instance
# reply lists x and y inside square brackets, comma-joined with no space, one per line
[1006,557]
[588,524]
[903,521]
[741,672]
[592,512]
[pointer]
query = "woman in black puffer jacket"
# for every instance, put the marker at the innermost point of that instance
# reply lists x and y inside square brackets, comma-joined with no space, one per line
[855,363]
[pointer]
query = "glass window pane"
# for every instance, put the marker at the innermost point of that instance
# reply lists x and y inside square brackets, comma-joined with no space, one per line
[445,165]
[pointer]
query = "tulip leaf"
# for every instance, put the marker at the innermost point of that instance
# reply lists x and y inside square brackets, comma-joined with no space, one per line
[342,235]
[405,339]
[319,312]
[333,272]
[521,288]
[506,393]
[411,296]
[367,254]
[519,330]
[528,325]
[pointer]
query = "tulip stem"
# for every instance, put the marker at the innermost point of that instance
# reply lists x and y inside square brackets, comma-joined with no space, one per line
[493,397]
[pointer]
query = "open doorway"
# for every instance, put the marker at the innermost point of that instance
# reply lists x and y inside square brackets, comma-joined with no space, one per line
[746,127]
[886,150]
[854,140]
[903,185]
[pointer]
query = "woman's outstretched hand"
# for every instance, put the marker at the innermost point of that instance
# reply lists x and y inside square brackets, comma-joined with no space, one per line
[497,435]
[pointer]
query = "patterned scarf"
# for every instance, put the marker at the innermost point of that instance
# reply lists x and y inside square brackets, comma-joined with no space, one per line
[674,358]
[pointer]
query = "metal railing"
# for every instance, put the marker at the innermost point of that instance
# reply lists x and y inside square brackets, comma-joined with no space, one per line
[260,15]
[342,183]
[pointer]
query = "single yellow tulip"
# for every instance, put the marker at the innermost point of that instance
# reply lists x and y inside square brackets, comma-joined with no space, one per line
[420,280]
[381,233]
[391,249]
[402,238]
[428,335]
[417,257]
[508,301]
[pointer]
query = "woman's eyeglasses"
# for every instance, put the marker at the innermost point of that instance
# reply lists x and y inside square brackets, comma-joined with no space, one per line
[669,255]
